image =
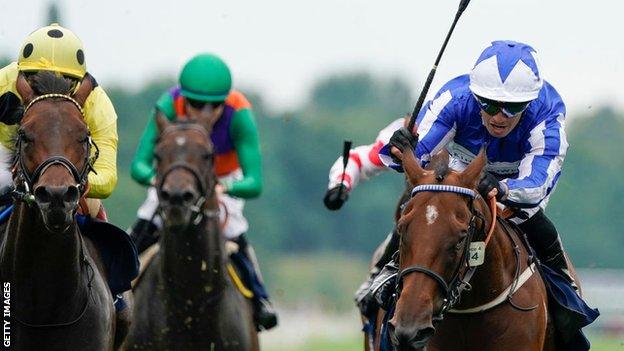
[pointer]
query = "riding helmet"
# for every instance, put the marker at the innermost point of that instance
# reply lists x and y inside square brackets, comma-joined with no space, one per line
[206,78]
[507,71]
[53,48]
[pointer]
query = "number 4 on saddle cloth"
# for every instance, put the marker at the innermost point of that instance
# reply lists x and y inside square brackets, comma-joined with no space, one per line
[116,249]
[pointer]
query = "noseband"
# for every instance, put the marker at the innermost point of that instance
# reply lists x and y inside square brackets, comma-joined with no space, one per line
[458,283]
[26,180]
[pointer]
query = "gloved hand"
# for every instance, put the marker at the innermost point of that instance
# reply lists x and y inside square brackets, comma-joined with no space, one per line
[334,198]
[403,139]
[489,182]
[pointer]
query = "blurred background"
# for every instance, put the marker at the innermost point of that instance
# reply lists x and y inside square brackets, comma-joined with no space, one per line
[318,72]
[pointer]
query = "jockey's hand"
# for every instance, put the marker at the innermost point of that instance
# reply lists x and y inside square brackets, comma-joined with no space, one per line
[220,189]
[489,187]
[335,198]
[402,139]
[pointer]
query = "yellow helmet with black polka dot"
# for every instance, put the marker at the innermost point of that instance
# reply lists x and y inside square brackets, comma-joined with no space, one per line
[53,48]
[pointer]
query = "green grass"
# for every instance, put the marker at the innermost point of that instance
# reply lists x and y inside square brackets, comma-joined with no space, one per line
[601,343]
[323,345]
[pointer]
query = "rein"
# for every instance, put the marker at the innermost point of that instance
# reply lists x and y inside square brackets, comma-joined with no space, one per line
[458,283]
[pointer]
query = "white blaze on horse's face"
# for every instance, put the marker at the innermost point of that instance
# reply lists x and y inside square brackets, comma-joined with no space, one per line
[431,214]
[180,141]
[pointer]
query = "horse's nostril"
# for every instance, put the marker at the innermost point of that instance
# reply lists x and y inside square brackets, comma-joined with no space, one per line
[72,194]
[188,196]
[164,195]
[424,334]
[42,195]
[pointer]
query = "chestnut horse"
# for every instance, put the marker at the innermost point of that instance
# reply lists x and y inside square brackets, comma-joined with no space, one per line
[504,303]
[59,298]
[185,299]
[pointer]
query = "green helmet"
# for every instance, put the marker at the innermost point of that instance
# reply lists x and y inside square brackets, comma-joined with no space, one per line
[206,78]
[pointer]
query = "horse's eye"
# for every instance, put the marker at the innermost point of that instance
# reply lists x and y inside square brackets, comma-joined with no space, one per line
[157,157]
[463,235]
[208,156]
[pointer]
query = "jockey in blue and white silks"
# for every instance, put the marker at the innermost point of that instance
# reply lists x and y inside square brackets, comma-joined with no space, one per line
[505,106]
[528,159]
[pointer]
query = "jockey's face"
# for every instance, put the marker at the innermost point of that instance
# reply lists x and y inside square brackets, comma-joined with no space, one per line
[499,125]
[205,113]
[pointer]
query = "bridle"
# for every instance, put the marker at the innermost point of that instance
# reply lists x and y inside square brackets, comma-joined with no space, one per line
[459,282]
[25,180]
[206,186]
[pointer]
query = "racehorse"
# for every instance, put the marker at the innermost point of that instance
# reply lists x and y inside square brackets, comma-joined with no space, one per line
[453,246]
[59,298]
[185,299]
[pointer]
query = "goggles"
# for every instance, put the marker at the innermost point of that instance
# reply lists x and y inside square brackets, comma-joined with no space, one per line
[198,104]
[509,109]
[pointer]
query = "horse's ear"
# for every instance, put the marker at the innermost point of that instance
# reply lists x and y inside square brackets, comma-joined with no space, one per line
[412,167]
[472,174]
[24,89]
[86,87]
[161,121]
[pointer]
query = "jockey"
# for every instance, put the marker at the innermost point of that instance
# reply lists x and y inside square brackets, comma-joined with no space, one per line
[57,49]
[506,107]
[363,163]
[206,79]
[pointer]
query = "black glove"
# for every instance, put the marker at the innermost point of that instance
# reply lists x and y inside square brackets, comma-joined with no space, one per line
[489,182]
[334,198]
[403,139]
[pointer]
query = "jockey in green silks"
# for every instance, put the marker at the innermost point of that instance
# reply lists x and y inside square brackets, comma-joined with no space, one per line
[206,79]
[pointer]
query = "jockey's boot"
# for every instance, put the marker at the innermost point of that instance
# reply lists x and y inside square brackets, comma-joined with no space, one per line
[364,295]
[384,284]
[555,259]
[265,315]
[545,241]
[143,234]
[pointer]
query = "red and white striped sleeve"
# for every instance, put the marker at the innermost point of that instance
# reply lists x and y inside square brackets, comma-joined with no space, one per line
[364,160]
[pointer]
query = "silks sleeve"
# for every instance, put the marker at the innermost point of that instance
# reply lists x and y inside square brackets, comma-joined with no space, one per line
[101,118]
[245,136]
[142,169]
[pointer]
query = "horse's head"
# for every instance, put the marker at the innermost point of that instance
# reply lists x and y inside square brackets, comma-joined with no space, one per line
[436,227]
[53,146]
[185,170]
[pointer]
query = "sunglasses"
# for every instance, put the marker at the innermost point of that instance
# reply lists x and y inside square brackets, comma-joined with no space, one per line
[509,109]
[198,104]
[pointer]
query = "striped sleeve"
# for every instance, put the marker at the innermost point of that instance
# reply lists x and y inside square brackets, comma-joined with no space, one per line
[436,127]
[363,161]
[540,168]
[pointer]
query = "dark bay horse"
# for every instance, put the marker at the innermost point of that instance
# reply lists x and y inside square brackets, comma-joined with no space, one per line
[503,305]
[185,299]
[59,299]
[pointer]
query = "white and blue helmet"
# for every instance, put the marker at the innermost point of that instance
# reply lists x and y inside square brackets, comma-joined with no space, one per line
[507,71]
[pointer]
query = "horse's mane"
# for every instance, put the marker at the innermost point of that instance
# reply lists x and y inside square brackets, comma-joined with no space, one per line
[439,165]
[46,82]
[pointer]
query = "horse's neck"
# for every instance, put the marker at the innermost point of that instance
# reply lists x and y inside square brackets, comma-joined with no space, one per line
[42,265]
[498,270]
[193,261]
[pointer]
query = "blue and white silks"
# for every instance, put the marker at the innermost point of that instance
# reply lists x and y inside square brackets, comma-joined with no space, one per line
[528,159]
